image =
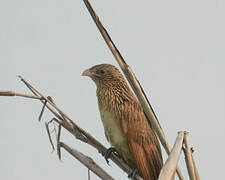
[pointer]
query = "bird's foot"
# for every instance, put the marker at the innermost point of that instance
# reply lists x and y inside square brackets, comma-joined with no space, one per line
[133,174]
[108,152]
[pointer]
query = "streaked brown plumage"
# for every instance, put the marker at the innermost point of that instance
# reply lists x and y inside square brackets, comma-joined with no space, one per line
[125,124]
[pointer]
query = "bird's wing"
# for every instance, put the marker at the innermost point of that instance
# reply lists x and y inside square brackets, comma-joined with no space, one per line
[142,141]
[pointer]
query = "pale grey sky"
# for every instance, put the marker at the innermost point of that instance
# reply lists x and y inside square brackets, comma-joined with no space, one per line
[176,48]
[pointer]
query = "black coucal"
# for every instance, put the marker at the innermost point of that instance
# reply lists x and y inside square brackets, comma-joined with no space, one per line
[126,126]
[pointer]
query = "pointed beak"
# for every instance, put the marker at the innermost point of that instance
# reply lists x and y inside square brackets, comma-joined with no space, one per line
[86,73]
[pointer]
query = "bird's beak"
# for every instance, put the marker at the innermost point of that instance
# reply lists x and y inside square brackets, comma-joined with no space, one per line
[86,73]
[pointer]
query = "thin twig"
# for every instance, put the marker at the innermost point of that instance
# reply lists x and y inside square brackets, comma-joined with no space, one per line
[61,116]
[28,85]
[58,141]
[136,86]
[49,135]
[42,111]
[188,159]
[87,161]
[11,93]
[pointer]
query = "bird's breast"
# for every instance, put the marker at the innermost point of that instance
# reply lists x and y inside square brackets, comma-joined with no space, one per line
[115,134]
[113,130]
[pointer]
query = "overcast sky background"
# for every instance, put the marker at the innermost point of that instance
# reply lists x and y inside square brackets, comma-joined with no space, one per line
[176,48]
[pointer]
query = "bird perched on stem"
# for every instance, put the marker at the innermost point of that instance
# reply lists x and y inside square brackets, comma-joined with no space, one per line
[125,124]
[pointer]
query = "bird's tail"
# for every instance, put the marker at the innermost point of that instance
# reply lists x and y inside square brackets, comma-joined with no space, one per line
[148,159]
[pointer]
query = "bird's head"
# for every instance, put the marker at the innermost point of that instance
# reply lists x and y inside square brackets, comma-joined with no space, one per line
[104,75]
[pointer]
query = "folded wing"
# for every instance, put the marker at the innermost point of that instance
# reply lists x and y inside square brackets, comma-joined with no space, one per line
[142,141]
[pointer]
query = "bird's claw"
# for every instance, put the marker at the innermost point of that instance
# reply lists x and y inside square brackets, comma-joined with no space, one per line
[133,174]
[108,153]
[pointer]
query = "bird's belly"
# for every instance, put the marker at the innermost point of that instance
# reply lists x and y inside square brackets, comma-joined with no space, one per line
[115,135]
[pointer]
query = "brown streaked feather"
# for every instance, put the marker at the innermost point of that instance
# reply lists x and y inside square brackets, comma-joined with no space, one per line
[142,141]
[147,160]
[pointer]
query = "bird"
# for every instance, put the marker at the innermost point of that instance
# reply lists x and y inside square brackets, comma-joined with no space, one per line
[125,123]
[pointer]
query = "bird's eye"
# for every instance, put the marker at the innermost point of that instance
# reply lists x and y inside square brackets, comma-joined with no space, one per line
[101,71]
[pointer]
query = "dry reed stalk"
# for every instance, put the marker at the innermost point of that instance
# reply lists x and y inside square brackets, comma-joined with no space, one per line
[87,161]
[170,165]
[188,158]
[197,175]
